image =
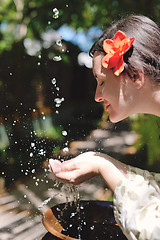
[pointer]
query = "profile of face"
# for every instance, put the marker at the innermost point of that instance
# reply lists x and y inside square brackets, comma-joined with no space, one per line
[119,94]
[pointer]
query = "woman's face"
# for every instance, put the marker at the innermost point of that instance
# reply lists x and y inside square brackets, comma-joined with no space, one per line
[116,92]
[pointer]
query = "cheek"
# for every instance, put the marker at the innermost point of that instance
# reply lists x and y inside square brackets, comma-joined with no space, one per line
[125,94]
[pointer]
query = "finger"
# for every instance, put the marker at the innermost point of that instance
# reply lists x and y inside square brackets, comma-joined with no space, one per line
[68,177]
[65,166]
[55,165]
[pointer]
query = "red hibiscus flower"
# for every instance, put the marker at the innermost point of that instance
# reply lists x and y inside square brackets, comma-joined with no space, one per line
[115,50]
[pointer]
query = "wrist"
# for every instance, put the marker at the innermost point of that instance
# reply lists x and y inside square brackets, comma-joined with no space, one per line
[100,163]
[110,170]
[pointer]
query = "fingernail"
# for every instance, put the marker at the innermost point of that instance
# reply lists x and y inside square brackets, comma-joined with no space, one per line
[57,170]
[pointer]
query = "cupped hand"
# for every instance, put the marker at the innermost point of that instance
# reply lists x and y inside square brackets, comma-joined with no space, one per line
[76,170]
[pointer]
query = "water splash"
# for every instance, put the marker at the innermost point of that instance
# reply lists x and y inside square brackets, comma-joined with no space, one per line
[54,81]
[64,133]
[59,43]
[57,58]
[58,101]
[71,194]
[45,203]
[55,13]
[33,170]
[66,150]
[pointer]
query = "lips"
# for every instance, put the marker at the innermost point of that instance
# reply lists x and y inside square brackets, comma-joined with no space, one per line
[107,106]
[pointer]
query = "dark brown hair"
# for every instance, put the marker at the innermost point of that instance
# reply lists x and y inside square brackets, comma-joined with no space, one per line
[145,52]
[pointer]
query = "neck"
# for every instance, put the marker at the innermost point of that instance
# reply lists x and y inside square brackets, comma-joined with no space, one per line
[156,102]
[151,100]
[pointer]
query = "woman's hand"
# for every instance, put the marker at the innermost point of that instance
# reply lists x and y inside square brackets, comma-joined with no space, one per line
[88,165]
[76,170]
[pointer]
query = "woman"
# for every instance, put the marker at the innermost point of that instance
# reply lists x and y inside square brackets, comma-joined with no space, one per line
[126,65]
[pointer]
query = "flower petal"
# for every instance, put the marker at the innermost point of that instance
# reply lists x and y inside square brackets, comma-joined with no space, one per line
[115,50]
[113,61]
[105,60]
[119,36]
[119,67]
[108,46]
[126,45]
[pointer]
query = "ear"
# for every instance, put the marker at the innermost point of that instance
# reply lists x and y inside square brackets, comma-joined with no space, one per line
[138,80]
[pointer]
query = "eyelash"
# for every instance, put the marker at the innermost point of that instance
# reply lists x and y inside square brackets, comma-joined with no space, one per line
[101,83]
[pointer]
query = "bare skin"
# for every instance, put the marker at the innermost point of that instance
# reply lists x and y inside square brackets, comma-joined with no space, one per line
[122,97]
[88,165]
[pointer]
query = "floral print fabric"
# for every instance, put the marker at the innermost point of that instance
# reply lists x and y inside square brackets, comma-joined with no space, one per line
[137,205]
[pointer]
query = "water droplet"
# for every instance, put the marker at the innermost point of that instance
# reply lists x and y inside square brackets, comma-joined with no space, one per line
[57,88]
[31,154]
[66,149]
[32,144]
[92,227]
[36,183]
[33,170]
[59,43]
[64,133]
[55,13]
[54,81]
[72,215]
[42,152]
[57,58]
[38,63]
[57,100]
[25,196]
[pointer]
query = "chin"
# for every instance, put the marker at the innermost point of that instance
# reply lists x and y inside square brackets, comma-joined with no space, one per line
[116,118]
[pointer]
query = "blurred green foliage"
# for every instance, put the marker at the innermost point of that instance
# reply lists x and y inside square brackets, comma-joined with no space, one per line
[20,19]
[148,128]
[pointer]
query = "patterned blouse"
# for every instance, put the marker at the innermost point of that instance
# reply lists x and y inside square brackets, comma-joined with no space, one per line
[137,205]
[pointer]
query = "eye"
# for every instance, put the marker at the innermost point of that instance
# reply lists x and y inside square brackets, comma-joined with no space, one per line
[101,83]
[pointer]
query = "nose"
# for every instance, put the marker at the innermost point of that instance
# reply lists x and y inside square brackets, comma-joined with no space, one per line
[98,95]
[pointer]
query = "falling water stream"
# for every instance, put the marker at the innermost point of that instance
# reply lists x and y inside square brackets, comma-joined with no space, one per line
[71,192]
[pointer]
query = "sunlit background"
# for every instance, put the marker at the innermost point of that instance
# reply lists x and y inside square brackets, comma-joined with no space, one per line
[47,107]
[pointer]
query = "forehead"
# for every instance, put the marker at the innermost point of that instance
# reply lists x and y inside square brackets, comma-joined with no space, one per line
[97,60]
